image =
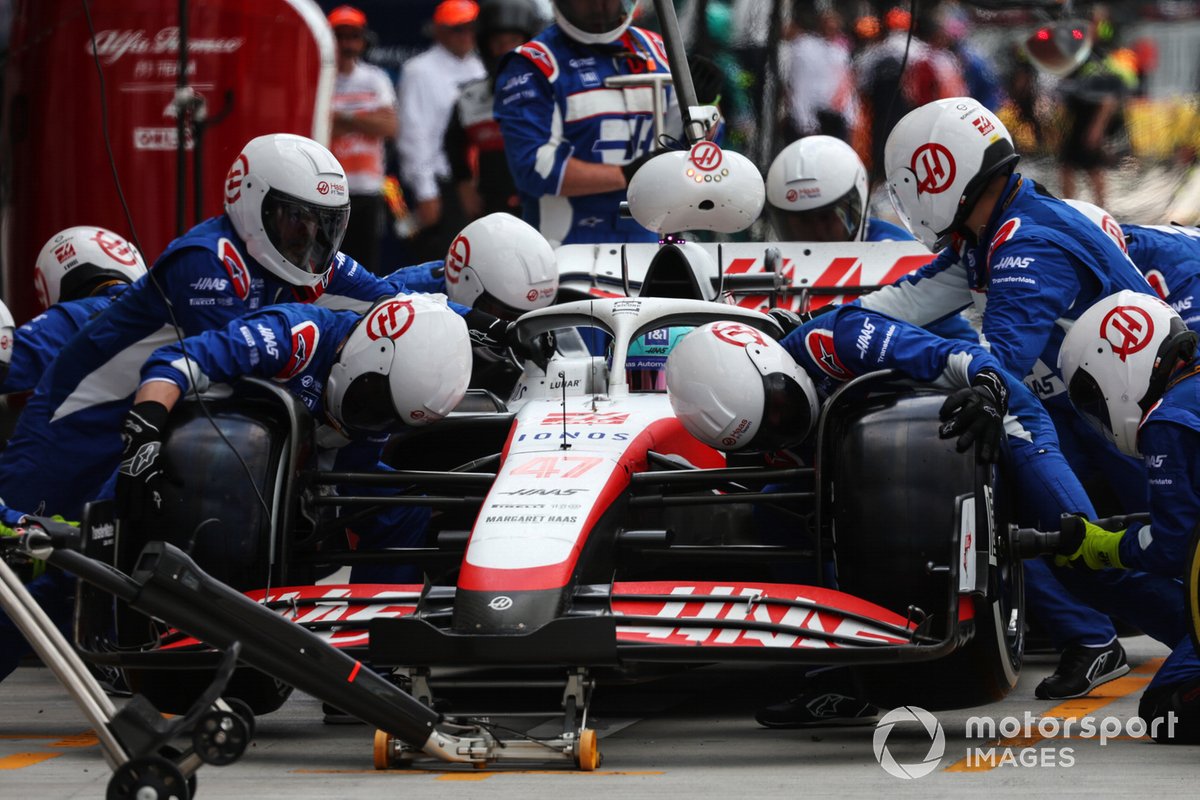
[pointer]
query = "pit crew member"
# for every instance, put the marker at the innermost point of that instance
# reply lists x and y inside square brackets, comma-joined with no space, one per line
[286,209]
[571,142]
[1131,371]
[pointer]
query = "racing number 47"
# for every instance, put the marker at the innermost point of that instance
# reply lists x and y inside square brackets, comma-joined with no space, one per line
[557,466]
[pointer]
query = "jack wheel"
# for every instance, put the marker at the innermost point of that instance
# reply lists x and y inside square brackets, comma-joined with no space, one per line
[587,750]
[383,750]
[220,737]
[147,778]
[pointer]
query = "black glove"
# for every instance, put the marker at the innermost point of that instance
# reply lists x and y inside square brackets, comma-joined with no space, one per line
[977,414]
[788,320]
[141,477]
[707,80]
[497,334]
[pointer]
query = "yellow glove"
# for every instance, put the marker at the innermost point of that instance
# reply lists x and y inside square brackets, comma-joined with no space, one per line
[1098,548]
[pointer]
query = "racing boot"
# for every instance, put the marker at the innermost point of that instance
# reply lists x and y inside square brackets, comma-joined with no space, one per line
[826,701]
[1081,669]
[1173,712]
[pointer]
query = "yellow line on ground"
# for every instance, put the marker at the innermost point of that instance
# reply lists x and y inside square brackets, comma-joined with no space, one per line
[1071,709]
[22,760]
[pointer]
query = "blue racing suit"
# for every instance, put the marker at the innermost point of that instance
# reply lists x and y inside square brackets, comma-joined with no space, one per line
[68,436]
[295,345]
[1169,439]
[39,341]
[1037,266]
[841,345]
[955,327]
[552,105]
[1169,257]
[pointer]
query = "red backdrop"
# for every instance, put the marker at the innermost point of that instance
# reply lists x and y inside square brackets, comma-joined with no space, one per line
[262,67]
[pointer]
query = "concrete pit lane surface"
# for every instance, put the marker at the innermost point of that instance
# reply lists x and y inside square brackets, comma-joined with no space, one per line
[692,735]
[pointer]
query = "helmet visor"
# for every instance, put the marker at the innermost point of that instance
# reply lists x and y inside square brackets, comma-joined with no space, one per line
[367,405]
[491,305]
[838,221]
[787,414]
[307,235]
[596,16]
[1088,399]
[646,373]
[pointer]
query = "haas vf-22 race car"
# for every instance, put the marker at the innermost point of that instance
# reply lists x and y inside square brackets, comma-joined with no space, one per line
[582,532]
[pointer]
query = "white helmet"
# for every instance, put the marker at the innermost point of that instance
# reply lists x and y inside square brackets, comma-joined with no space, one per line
[817,192]
[1116,361]
[939,158]
[736,388]
[287,198]
[594,23]
[501,265]
[7,330]
[79,261]
[1102,219]
[408,361]
[706,188]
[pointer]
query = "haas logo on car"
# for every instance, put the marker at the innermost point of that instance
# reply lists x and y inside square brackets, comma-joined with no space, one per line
[235,265]
[233,181]
[304,344]
[116,248]
[391,320]
[457,257]
[1128,329]
[706,156]
[934,167]
[736,334]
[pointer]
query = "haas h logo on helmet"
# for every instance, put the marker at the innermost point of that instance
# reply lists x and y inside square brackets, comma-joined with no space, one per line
[233,181]
[1128,329]
[457,257]
[934,167]
[737,334]
[115,248]
[391,320]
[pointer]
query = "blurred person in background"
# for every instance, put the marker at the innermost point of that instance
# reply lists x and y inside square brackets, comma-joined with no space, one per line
[474,145]
[573,143]
[1093,97]
[364,114]
[821,96]
[977,69]
[429,87]
[879,81]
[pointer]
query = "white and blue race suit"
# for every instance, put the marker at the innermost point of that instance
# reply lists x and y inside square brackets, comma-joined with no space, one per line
[552,104]
[1037,266]
[38,342]
[1169,439]
[68,436]
[955,327]
[851,341]
[296,345]
[1169,257]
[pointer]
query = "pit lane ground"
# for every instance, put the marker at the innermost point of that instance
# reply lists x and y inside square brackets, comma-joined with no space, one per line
[691,736]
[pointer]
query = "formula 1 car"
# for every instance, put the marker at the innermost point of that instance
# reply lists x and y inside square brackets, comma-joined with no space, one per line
[584,535]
